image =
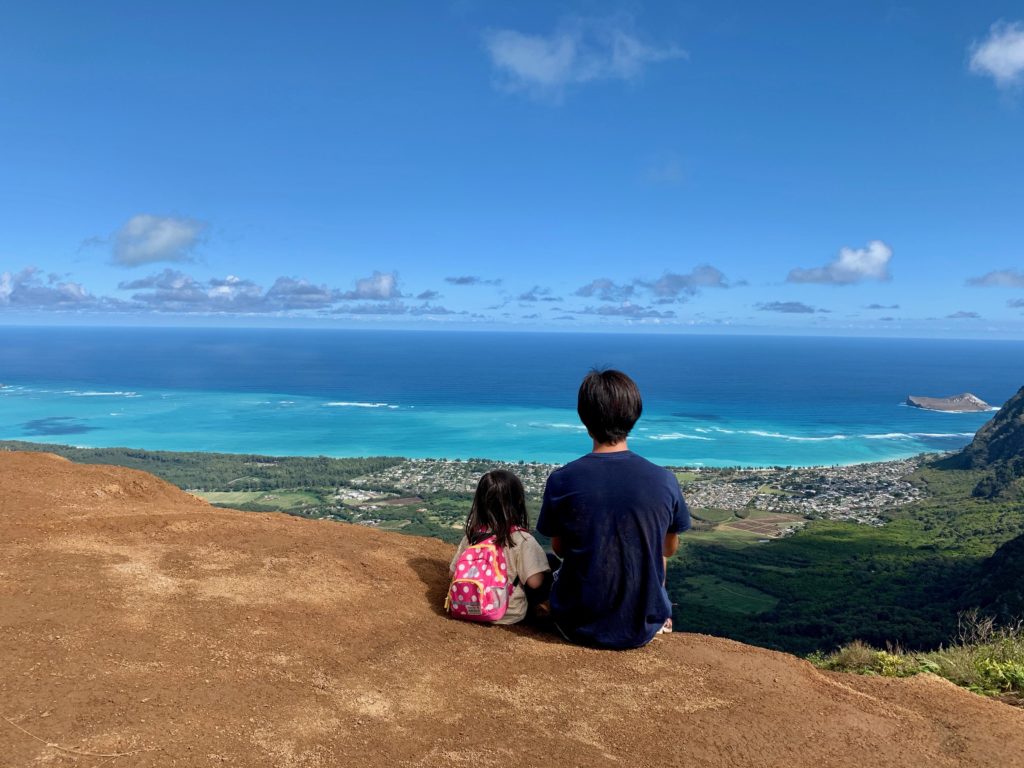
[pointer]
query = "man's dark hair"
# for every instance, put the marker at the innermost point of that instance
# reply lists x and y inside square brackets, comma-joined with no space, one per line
[609,405]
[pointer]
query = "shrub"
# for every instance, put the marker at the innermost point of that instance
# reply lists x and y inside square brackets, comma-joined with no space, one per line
[985,658]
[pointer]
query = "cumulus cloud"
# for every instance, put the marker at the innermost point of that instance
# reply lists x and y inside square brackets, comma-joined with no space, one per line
[672,285]
[962,315]
[174,291]
[537,293]
[1002,278]
[289,293]
[145,239]
[26,290]
[428,295]
[1001,54]
[667,289]
[579,51]
[626,309]
[1015,303]
[788,307]
[470,280]
[882,306]
[380,286]
[852,265]
[606,290]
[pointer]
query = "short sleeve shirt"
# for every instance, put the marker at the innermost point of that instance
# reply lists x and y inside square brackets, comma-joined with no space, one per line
[612,512]
[524,559]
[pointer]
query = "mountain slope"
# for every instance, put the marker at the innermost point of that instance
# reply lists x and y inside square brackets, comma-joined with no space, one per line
[997,447]
[137,619]
[1001,439]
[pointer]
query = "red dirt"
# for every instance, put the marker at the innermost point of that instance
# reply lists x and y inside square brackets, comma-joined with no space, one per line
[137,619]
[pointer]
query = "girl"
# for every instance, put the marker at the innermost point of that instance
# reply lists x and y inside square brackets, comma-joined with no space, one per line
[499,510]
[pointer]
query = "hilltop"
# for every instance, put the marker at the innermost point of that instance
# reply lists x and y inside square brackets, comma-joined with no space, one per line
[139,620]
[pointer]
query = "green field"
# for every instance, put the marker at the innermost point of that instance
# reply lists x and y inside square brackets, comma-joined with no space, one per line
[731,596]
[726,537]
[283,500]
[712,515]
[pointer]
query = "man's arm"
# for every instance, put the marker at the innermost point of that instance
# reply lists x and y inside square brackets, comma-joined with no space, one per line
[671,545]
[556,545]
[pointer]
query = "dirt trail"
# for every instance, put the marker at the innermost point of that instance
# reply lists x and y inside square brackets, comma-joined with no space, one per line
[138,621]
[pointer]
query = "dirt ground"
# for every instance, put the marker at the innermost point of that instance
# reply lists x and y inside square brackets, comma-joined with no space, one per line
[141,627]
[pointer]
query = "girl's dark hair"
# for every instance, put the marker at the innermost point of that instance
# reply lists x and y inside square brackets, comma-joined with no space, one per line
[609,405]
[499,505]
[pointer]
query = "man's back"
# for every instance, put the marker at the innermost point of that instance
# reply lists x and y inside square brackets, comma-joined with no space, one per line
[611,512]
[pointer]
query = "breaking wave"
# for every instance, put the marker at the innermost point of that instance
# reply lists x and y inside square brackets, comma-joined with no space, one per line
[347,404]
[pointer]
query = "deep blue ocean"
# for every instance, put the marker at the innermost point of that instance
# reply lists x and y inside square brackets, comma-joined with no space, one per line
[708,400]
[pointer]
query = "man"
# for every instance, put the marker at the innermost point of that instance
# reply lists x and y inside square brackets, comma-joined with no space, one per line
[613,517]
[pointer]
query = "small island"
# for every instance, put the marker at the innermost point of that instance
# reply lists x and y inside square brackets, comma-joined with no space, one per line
[962,403]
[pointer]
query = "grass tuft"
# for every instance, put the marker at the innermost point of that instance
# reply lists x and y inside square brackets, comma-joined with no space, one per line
[985,658]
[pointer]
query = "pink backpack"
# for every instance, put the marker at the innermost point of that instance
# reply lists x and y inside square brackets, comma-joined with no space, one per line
[480,588]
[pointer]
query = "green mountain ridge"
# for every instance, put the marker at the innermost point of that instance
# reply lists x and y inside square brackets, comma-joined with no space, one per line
[999,448]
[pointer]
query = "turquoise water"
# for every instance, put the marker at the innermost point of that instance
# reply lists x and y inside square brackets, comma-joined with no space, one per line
[714,401]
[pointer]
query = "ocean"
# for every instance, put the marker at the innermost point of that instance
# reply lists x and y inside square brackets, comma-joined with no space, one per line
[708,400]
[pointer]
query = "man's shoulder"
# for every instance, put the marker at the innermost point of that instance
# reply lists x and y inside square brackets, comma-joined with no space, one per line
[570,469]
[651,467]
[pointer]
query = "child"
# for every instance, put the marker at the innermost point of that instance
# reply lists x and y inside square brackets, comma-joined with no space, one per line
[499,511]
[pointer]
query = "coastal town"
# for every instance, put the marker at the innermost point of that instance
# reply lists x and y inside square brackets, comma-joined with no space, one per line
[858,493]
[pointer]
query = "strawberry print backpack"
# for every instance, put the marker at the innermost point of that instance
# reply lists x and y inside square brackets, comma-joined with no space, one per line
[480,588]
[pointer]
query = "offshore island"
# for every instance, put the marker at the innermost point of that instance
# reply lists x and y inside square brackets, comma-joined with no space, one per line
[965,402]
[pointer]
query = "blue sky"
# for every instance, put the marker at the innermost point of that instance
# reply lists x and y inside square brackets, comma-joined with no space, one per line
[815,168]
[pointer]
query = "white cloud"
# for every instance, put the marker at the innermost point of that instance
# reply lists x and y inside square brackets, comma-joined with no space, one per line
[1002,278]
[1001,54]
[471,280]
[538,293]
[580,51]
[853,265]
[173,291]
[671,284]
[145,239]
[788,307]
[606,290]
[25,290]
[627,309]
[380,286]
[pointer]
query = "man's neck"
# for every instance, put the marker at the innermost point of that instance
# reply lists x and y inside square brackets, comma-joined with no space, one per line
[610,447]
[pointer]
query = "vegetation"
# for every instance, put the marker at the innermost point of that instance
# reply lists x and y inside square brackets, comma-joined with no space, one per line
[835,582]
[998,448]
[222,471]
[985,658]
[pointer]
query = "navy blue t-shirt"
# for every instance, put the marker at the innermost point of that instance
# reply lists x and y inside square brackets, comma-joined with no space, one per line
[612,512]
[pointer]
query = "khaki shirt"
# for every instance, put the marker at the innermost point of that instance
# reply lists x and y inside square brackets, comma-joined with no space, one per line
[524,559]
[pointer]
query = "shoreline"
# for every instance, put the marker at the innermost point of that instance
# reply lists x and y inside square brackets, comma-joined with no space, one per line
[700,467]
